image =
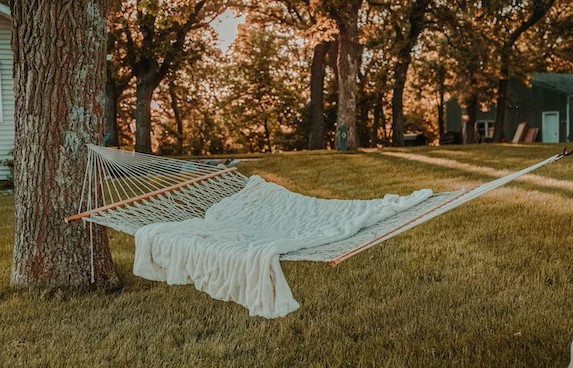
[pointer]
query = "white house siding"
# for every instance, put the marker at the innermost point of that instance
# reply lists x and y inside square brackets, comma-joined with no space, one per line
[7,90]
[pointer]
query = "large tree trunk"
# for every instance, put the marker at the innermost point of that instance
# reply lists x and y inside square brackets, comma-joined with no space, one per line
[59,80]
[317,74]
[348,61]
[111,131]
[143,94]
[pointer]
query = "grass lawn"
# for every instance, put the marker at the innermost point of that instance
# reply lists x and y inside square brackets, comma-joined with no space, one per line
[489,284]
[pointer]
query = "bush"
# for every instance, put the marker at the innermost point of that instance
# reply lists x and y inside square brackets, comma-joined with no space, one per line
[8,184]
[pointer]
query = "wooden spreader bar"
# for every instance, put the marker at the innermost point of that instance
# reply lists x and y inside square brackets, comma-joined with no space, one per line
[145,196]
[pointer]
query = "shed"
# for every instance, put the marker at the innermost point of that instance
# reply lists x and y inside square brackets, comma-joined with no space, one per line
[545,104]
[6,90]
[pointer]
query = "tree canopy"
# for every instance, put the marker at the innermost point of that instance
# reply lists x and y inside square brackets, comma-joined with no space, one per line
[299,70]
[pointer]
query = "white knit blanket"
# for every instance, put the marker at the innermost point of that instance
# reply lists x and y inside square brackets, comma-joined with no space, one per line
[233,253]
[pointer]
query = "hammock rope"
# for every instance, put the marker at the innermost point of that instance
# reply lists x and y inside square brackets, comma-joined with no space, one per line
[127,191]
[464,196]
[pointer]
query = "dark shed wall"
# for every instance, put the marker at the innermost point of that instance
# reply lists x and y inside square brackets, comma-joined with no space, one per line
[549,100]
[453,116]
[524,105]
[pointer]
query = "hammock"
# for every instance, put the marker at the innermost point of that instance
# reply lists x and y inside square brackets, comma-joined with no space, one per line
[224,232]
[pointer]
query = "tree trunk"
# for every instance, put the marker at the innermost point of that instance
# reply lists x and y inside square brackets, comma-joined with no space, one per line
[400,71]
[177,113]
[111,132]
[317,74]
[501,97]
[469,128]
[416,20]
[143,94]
[348,60]
[59,80]
[441,103]
[362,131]
[379,120]
[115,84]
[267,133]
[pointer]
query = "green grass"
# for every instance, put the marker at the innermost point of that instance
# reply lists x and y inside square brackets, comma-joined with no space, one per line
[488,284]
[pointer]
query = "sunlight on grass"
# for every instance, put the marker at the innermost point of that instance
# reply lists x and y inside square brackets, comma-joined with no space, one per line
[488,284]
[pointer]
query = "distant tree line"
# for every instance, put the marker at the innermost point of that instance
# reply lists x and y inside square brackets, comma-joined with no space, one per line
[301,71]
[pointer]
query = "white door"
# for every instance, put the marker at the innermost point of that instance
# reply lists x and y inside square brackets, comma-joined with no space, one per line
[550,132]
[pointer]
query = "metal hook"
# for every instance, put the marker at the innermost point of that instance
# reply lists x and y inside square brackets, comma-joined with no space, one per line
[565,153]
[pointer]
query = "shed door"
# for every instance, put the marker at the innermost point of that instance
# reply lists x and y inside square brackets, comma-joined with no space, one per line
[550,133]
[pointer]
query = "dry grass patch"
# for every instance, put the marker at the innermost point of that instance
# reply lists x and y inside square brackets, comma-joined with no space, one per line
[489,284]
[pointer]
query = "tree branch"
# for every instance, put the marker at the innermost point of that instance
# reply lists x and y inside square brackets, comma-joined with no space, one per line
[177,48]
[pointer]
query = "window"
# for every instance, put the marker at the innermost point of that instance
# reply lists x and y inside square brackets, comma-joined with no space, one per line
[485,129]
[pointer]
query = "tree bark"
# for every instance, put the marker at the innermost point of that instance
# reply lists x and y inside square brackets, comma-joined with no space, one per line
[59,80]
[501,101]
[348,61]
[267,133]
[417,22]
[146,84]
[364,134]
[441,102]
[379,120]
[117,81]
[111,132]
[400,71]
[469,128]
[177,114]
[317,74]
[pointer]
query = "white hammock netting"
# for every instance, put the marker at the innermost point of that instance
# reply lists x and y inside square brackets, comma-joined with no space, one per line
[214,227]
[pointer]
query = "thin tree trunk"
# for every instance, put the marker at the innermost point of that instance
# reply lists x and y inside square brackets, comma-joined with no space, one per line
[441,103]
[59,84]
[469,128]
[416,18]
[116,83]
[111,131]
[501,101]
[383,122]
[177,113]
[267,133]
[317,74]
[378,118]
[363,133]
[400,71]
[348,60]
